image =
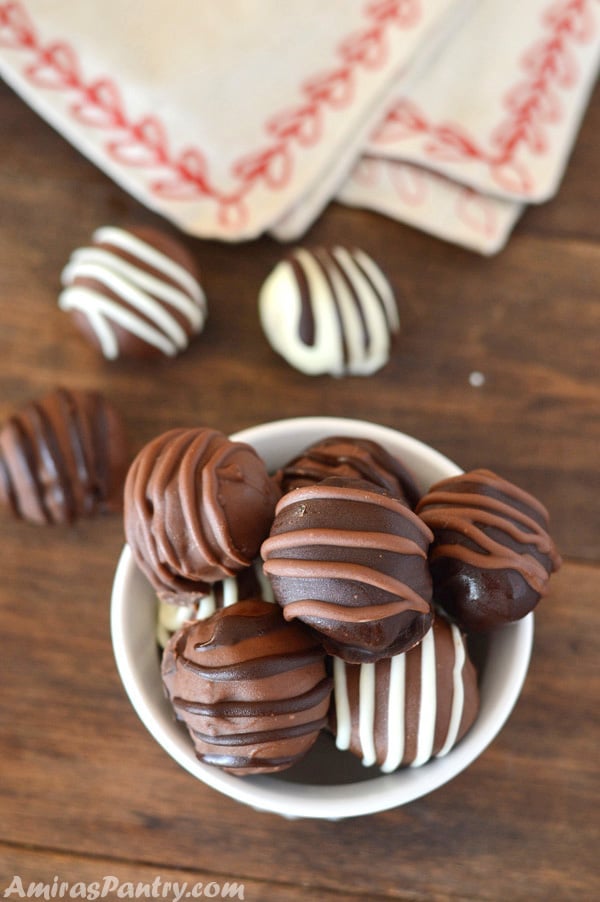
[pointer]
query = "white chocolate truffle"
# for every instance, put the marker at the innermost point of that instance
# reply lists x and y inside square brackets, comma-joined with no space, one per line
[134,293]
[405,710]
[329,311]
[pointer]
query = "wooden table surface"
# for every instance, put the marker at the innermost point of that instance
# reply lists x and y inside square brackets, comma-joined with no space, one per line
[84,790]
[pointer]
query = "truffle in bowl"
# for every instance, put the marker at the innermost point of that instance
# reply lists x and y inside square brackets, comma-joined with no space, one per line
[327,783]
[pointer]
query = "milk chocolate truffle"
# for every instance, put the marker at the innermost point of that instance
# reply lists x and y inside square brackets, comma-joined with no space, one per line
[351,563]
[329,311]
[197,507]
[251,688]
[350,458]
[410,708]
[248,583]
[134,293]
[492,555]
[63,457]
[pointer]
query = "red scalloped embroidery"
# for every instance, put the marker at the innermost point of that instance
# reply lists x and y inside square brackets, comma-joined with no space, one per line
[185,176]
[413,188]
[531,105]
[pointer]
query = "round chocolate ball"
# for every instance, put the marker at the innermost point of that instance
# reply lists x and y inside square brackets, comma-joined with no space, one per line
[351,563]
[410,708]
[349,458]
[251,689]
[329,311]
[134,293]
[492,555]
[63,457]
[197,507]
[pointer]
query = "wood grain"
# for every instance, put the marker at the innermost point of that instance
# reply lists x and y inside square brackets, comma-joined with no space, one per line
[84,789]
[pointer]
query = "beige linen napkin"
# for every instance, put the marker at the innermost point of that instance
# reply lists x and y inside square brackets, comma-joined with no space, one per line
[221,116]
[249,116]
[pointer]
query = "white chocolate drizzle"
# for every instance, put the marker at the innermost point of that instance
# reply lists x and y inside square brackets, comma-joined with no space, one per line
[363,707]
[144,294]
[366,714]
[458,692]
[428,702]
[396,703]
[342,705]
[347,299]
[171,617]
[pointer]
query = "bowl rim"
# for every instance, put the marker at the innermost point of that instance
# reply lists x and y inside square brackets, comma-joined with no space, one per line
[290,799]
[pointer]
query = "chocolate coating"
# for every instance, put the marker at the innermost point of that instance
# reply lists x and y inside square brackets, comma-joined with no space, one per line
[406,709]
[350,458]
[351,562]
[197,507]
[329,311]
[251,689]
[492,555]
[248,583]
[134,293]
[63,457]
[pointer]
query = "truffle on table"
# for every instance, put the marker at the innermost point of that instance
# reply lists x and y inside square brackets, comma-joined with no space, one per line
[351,562]
[329,311]
[251,689]
[63,457]
[134,293]
[197,507]
[410,708]
[492,555]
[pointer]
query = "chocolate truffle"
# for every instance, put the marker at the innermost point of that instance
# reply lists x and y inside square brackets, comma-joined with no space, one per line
[63,457]
[329,311]
[251,689]
[492,555]
[351,563]
[351,458]
[134,293]
[197,507]
[248,583]
[406,709]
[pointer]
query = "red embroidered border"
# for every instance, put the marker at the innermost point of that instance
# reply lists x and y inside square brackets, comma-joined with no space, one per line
[144,143]
[531,105]
[412,185]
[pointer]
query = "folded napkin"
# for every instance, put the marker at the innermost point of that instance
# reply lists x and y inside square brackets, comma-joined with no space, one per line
[432,203]
[221,115]
[249,116]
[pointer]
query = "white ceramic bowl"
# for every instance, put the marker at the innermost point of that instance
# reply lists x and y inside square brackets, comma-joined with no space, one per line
[327,783]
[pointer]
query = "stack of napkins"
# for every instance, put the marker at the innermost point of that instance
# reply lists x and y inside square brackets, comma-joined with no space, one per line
[241,117]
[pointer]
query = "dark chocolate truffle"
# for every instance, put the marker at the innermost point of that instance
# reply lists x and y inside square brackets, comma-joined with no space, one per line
[329,311]
[251,688]
[350,458]
[197,507]
[492,555]
[406,709]
[134,293]
[63,457]
[351,562]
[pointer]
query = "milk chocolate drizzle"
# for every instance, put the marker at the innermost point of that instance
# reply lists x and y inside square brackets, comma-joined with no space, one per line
[62,457]
[351,458]
[339,573]
[452,506]
[196,509]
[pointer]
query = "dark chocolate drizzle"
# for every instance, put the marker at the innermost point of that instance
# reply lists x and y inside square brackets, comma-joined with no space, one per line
[56,458]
